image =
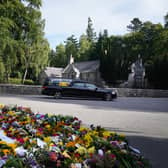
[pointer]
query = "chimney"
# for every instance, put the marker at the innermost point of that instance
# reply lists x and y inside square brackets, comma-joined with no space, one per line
[71,61]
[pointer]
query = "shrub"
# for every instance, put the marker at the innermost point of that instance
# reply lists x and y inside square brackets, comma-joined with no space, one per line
[15,81]
[29,82]
[19,81]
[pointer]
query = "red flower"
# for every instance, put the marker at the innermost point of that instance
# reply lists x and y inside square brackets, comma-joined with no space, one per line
[112,156]
[53,156]
[21,140]
[77,155]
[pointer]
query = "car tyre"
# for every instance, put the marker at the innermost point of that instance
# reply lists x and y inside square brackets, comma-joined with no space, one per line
[57,95]
[107,97]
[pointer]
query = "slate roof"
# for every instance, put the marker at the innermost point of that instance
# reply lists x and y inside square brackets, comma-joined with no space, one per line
[87,66]
[53,72]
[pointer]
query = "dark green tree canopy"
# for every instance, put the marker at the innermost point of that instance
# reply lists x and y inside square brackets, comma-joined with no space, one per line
[135,25]
[166,20]
[91,35]
[23,46]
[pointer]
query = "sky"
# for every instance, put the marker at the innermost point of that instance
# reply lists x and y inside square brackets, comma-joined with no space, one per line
[64,18]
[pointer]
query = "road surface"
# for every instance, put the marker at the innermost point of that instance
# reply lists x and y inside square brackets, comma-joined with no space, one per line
[143,120]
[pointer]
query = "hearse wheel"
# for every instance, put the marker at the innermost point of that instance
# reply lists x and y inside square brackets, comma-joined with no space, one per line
[107,97]
[57,95]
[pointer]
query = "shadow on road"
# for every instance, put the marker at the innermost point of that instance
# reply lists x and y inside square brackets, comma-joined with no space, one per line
[122,103]
[154,149]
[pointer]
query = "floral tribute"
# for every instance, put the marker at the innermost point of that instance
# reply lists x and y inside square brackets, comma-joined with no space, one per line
[29,140]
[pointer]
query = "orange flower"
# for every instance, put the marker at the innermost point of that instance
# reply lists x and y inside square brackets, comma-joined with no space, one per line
[6,151]
[70,144]
[13,146]
[39,133]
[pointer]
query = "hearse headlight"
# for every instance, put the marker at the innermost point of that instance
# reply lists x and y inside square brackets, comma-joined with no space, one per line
[113,92]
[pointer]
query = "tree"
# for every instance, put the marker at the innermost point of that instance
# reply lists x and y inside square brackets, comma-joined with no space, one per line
[52,58]
[2,70]
[166,20]
[91,35]
[72,47]
[157,66]
[135,25]
[61,59]
[58,58]
[113,61]
[22,37]
[8,45]
[84,48]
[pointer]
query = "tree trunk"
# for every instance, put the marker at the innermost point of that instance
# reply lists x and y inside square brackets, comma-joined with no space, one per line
[7,77]
[24,77]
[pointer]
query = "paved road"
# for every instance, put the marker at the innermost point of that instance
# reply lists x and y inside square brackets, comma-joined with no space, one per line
[143,120]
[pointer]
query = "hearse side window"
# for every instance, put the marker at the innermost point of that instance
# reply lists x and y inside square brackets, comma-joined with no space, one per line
[54,82]
[79,85]
[90,86]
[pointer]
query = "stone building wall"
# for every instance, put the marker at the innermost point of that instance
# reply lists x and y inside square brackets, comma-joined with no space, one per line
[122,92]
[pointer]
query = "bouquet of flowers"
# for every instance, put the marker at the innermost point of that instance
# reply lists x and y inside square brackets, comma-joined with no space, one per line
[29,140]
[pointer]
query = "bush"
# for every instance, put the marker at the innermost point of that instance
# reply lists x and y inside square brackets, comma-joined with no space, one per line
[29,82]
[19,81]
[15,81]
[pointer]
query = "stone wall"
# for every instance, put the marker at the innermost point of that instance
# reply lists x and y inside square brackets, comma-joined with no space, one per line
[19,89]
[128,92]
[122,92]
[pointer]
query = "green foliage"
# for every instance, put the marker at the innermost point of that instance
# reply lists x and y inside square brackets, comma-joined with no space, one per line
[24,51]
[156,71]
[135,25]
[23,47]
[166,20]
[91,35]
[117,53]
[113,60]
[29,82]
[72,47]
[2,70]
[85,46]
[15,161]
[19,81]
[58,58]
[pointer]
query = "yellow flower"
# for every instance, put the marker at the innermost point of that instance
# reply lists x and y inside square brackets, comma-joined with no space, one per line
[47,139]
[2,106]
[48,126]
[106,133]
[91,149]
[11,113]
[88,139]
[65,154]
[95,133]
[51,144]
[60,143]
[83,129]
[81,150]
[121,135]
